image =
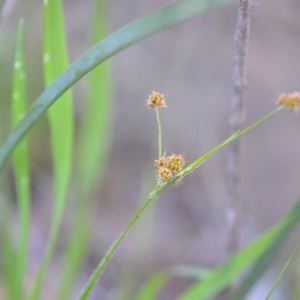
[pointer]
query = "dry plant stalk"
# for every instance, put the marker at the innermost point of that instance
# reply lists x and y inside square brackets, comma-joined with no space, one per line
[236,121]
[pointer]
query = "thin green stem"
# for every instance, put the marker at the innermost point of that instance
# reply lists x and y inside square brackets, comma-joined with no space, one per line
[286,265]
[159,132]
[107,257]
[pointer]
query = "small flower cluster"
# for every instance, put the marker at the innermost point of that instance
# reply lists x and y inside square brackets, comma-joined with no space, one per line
[290,101]
[156,100]
[168,167]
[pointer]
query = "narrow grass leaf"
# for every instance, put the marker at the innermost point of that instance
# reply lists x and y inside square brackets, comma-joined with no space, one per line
[61,125]
[8,254]
[283,271]
[153,195]
[224,275]
[94,132]
[168,16]
[153,286]
[260,267]
[93,147]
[20,165]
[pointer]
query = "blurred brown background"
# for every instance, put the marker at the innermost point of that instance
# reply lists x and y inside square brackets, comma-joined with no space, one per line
[192,65]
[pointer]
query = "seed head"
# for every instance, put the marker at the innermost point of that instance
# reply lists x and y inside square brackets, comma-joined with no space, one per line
[176,163]
[156,100]
[290,101]
[164,175]
[161,162]
[168,167]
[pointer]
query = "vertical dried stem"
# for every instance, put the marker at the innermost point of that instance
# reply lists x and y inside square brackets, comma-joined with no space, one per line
[237,118]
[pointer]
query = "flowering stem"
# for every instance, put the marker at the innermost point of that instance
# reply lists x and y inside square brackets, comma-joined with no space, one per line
[159,132]
[152,196]
[108,255]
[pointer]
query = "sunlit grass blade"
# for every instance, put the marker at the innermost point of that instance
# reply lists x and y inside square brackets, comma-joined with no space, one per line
[61,125]
[166,17]
[20,167]
[93,146]
[153,195]
[223,276]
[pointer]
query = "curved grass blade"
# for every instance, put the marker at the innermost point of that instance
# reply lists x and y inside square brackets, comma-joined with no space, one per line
[223,276]
[20,166]
[166,17]
[61,126]
[153,195]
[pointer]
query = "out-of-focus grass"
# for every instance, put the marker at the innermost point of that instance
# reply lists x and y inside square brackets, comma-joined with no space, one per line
[93,145]
[20,167]
[60,116]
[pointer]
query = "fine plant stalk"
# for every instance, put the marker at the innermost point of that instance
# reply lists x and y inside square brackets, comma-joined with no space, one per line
[20,168]
[159,132]
[166,17]
[284,269]
[157,190]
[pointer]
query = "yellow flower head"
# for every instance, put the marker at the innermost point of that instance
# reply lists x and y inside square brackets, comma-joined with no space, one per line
[161,162]
[164,175]
[168,167]
[175,163]
[290,101]
[156,100]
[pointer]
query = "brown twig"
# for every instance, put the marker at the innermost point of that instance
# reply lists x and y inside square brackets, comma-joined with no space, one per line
[237,119]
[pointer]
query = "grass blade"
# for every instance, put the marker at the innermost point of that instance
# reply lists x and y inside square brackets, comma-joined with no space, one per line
[61,125]
[153,195]
[284,269]
[8,254]
[20,167]
[93,147]
[94,133]
[223,276]
[153,286]
[166,17]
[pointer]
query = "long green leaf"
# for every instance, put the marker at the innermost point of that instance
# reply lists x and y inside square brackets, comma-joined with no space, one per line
[8,254]
[166,17]
[94,133]
[259,268]
[61,125]
[224,276]
[93,147]
[20,167]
